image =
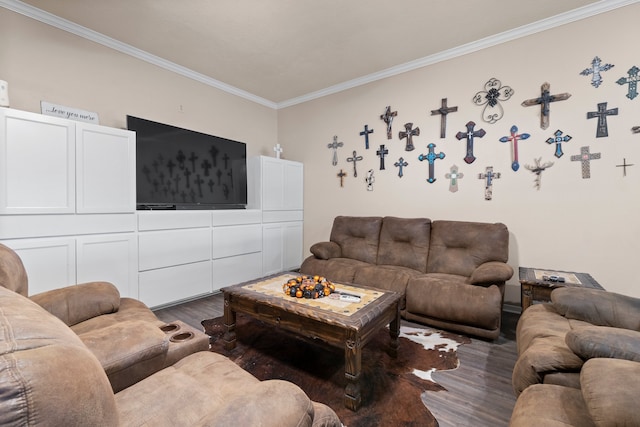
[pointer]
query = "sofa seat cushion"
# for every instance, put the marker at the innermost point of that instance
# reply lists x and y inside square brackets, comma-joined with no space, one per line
[130,309]
[550,406]
[340,270]
[387,277]
[405,242]
[602,341]
[450,298]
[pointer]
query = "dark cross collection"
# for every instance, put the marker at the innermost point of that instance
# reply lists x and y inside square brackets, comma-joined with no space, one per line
[355,159]
[624,166]
[470,134]
[443,111]
[387,117]
[431,157]
[366,133]
[631,80]
[601,114]
[409,133]
[489,175]
[400,164]
[381,153]
[537,170]
[558,139]
[514,138]
[585,158]
[596,68]
[544,100]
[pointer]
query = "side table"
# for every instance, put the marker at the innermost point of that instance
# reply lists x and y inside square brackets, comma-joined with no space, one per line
[536,284]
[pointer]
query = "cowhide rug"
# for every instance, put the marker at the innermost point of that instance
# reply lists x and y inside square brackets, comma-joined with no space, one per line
[391,388]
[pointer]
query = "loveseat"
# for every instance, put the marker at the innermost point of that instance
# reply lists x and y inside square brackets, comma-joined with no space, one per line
[451,274]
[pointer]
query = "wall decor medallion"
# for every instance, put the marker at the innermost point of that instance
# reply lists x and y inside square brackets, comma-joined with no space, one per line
[334,146]
[341,175]
[387,117]
[490,97]
[443,111]
[537,170]
[366,133]
[602,130]
[624,166]
[469,135]
[354,159]
[409,133]
[431,157]
[453,176]
[514,138]
[631,80]
[585,158]
[596,68]
[558,139]
[370,179]
[401,164]
[381,153]
[543,101]
[489,175]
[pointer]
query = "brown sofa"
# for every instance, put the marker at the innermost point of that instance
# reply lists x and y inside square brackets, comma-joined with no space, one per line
[48,376]
[452,273]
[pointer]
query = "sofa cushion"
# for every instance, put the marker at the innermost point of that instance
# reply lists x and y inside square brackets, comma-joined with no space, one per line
[550,406]
[602,341]
[13,276]
[459,247]
[358,237]
[405,242]
[326,250]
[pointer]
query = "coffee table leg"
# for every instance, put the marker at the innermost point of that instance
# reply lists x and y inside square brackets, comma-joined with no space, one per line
[394,331]
[229,337]
[352,369]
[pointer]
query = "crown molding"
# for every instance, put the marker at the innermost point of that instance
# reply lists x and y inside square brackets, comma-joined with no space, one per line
[555,21]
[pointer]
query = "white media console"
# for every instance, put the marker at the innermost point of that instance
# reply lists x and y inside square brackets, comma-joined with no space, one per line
[67,207]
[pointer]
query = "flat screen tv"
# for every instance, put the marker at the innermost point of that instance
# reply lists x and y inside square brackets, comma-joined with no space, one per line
[183,169]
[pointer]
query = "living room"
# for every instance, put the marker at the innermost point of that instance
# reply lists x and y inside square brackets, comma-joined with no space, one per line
[558,225]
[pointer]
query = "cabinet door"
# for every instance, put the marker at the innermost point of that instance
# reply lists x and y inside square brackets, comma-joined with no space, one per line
[271,248]
[105,164]
[293,186]
[292,245]
[37,163]
[272,184]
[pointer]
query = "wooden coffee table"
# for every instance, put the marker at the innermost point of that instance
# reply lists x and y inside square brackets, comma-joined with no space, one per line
[347,325]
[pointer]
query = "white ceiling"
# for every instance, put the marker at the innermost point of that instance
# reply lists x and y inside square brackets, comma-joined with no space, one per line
[280,52]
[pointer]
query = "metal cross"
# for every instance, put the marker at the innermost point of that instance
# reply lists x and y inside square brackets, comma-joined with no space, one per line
[381,153]
[453,176]
[354,159]
[341,175]
[409,134]
[400,164]
[632,81]
[469,135]
[489,97]
[387,117]
[366,133]
[624,166]
[335,145]
[602,114]
[544,100]
[489,176]
[596,68]
[443,111]
[370,179]
[538,169]
[558,140]
[514,138]
[585,157]
[431,157]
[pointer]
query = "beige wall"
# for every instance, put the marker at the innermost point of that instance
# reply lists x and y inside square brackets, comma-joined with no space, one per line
[588,225]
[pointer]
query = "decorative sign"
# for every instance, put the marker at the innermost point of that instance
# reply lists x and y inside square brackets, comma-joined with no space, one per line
[54,110]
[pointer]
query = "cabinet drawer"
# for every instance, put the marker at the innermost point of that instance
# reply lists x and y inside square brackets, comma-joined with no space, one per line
[159,249]
[167,285]
[236,240]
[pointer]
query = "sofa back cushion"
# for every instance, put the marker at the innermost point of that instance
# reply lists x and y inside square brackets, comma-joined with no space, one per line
[459,247]
[357,236]
[404,242]
[48,376]
[13,276]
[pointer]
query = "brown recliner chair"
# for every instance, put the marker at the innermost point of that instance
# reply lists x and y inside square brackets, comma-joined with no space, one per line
[129,340]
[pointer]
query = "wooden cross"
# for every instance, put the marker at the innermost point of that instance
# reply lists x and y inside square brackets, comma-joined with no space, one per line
[341,175]
[596,68]
[489,176]
[585,158]
[335,145]
[514,138]
[213,151]
[558,139]
[453,176]
[431,157]
[443,111]
[632,81]
[400,164]
[381,153]
[206,166]
[538,169]
[602,114]
[387,117]
[366,133]
[409,134]
[544,100]
[278,150]
[469,135]
[355,159]
[624,166]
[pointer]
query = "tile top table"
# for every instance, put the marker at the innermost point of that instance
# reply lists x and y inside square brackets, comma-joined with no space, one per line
[536,284]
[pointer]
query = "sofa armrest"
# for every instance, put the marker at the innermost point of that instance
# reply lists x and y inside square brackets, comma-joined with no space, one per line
[603,341]
[491,272]
[75,304]
[597,307]
[326,250]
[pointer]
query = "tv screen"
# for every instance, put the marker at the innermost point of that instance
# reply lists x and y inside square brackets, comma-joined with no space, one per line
[183,169]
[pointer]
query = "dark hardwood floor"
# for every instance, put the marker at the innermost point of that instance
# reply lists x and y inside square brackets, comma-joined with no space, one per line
[478,393]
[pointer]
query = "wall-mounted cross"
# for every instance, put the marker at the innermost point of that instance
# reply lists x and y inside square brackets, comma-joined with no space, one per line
[355,159]
[381,153]
[443,111]
[601,114]
[387,117]
[453,176]
[431,157]
[334,146]
[624,166]
[409,134]
[632,81]
[400,164]
[470,134]
[596,68]
[514,138]
[558,139]
[366,133]
[585,158]
[489,175]
[544,100]
[341,175]
[537,170]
